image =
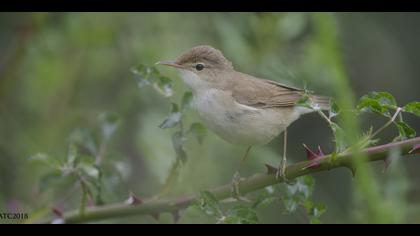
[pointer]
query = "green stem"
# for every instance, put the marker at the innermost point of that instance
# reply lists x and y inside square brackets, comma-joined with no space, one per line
[256,182]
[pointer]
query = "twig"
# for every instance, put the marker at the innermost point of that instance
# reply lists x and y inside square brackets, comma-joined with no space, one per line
[387,123]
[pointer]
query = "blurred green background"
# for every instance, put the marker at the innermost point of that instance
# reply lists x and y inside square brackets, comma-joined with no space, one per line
[60,71]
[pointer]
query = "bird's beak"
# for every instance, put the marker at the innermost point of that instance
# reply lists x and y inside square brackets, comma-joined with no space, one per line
[169,63]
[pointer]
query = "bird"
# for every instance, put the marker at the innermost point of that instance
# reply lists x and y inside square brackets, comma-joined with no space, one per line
[240,108]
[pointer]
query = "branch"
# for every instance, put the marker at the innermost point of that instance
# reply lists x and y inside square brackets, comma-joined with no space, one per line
[256,182]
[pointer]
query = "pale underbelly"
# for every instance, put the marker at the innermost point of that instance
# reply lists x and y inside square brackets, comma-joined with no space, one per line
[243,126]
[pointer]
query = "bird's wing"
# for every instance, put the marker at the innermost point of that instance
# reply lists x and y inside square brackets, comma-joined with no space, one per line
[263,93]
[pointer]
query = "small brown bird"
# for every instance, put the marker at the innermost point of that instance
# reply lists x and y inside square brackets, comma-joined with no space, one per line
[240,108]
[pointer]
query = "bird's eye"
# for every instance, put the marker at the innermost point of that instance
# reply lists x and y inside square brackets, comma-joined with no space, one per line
[199,66]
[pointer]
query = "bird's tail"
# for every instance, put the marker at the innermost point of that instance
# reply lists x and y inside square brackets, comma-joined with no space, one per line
[323,102]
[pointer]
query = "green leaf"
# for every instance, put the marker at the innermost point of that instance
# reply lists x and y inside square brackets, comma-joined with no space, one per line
[304,101]
[334,110]
[44,159]
[315,211]
[72,154]
[290,204]
[377,102]
[173,119]
[186,101]
[265,197]
[94,184]
[89,170]
[54,180]
[384,99]
[164,86]
[372,105]
[199,131]
[145,75]
[241,215]
[84,200]
[178,140]
[209,204]
[405,130]
[412,107]
[40,157]
[84,140]
[109,122]
[339,137]
[298,193]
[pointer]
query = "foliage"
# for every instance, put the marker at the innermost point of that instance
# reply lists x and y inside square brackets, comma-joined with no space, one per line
[83,165]
[60,71]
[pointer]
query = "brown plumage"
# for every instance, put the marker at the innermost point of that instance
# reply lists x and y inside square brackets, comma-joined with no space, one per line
[246,89]
[206,54]
[240,108]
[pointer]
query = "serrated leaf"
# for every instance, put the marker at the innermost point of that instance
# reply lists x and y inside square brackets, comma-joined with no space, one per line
[173,119]
[44,159]
[47,181]
[209,204]
[263,200]
[412,107]
[377,102]
[334,110]
[199,131]
[339,137]
[241,215]
[144,75]
[372,105]
[39,157]
[186,101]
[164,86]
[109,122]
[72,154]
[405,130]
[89,170]
[384,98]
[85,141]
[178,140]
[318,209]
[304,101]
[290,204]
[315,211]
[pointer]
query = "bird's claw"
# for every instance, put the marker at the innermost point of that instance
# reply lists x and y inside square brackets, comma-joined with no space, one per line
[281,173]
[235,187]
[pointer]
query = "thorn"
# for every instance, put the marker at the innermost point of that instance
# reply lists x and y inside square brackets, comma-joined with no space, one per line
[271,170]
[155,216]
[176,215]
[310,155]
[320,152]
[57,212]
[133,200]
[313,157]
[312,164]
[415,149]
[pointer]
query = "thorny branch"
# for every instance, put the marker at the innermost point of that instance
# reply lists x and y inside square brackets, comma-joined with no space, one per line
[259,181]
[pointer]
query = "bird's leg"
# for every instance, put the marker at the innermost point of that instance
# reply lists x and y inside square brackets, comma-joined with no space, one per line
[237,178]
[245,156]
[281,171]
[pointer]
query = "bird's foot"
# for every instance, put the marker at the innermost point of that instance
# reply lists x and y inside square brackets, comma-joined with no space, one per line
[235,187]
[281,173]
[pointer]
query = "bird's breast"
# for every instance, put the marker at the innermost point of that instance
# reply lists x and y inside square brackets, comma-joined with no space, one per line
[238,123]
